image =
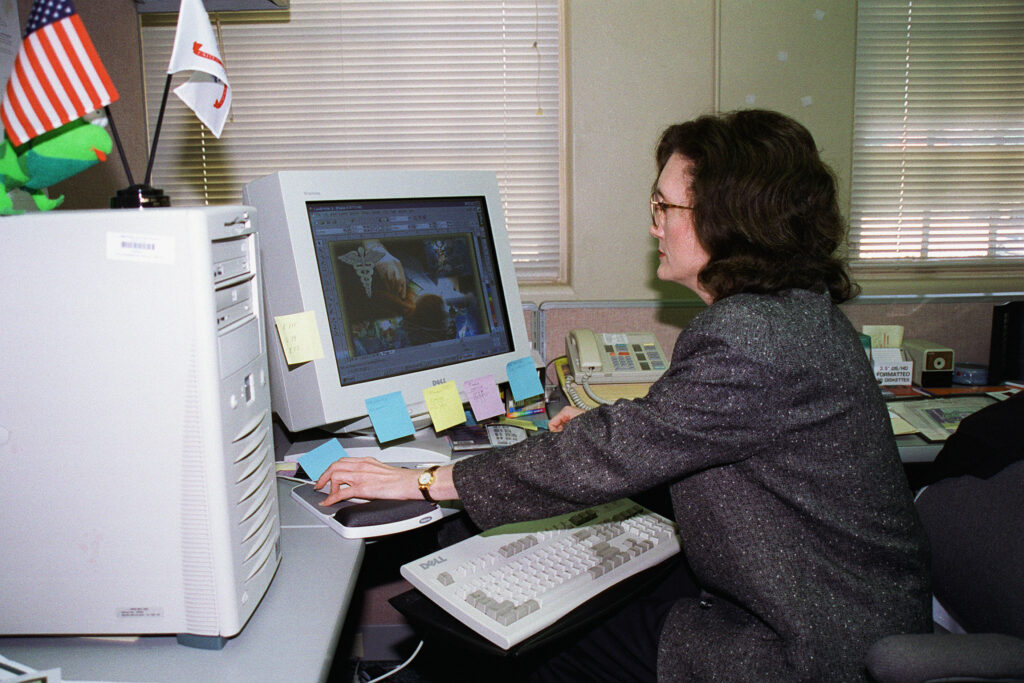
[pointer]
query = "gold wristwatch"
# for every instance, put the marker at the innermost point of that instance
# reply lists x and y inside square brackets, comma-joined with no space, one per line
[425,480]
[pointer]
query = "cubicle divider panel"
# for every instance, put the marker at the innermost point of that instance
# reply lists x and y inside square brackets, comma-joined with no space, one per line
[531,313]
[962,323]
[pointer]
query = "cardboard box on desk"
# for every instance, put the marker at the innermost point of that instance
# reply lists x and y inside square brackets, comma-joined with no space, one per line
[933,363]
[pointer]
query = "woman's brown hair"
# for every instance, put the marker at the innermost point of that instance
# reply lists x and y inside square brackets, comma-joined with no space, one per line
[764,204]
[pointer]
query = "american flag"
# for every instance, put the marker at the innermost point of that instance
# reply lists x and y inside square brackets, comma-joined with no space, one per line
[57,75]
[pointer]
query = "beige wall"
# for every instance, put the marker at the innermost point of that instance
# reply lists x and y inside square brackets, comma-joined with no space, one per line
[633,68]
[796,57]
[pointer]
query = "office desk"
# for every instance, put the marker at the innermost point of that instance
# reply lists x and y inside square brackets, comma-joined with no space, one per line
[914,449]
[291,636]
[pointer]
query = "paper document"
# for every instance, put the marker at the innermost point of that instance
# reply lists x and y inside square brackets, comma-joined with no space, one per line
[882,356]
[900,426]
[938,418]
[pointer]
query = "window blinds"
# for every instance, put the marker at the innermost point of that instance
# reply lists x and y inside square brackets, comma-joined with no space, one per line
[463,84]
[938,162]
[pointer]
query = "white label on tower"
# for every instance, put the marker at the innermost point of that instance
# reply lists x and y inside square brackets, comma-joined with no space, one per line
[143,248]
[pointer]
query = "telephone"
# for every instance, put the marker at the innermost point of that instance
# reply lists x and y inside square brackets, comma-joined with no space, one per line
[624,365]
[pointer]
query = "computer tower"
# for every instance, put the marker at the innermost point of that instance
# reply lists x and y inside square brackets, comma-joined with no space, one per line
[138,492]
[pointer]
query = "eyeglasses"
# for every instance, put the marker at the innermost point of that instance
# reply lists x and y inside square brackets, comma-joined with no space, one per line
[658,209]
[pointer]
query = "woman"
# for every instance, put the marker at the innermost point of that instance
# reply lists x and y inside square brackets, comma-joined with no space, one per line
[768,428]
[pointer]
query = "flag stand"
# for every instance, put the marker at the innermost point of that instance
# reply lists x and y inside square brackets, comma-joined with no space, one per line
[141,196]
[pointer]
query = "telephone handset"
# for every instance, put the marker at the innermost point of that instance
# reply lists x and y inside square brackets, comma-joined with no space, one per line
[584,357]
[632,361]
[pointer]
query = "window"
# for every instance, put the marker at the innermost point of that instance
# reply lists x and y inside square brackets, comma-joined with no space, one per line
[344,84]
[938,159]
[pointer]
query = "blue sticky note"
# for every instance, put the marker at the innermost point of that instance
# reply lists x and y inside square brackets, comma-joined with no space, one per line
[390,416]
[523,379]
[320,458]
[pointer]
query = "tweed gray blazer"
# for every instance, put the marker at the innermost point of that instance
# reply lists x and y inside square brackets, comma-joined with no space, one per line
[786,484]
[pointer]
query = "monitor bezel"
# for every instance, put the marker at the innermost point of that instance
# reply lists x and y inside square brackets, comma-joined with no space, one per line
[309,395]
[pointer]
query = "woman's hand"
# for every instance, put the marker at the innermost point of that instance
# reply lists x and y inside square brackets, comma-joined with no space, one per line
[558,422]
[371,479]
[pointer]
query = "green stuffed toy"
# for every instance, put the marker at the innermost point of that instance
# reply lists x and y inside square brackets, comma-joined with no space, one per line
[51,158]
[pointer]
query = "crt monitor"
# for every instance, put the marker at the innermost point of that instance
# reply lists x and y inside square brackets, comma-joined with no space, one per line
[408,276]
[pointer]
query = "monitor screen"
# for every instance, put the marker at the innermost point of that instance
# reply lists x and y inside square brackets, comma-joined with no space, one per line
[409,284]
[408,275]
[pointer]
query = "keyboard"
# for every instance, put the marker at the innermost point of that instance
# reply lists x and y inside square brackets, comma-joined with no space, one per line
[511,582]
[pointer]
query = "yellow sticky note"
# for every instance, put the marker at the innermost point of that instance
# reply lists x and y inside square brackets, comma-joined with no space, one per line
[444,405]
[299,336]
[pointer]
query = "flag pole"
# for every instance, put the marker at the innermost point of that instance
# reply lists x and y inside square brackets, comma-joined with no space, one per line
[120,149]
[140,196]
[193,30]
[156,133]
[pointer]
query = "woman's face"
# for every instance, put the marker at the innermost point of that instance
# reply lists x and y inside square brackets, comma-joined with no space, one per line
[681,257]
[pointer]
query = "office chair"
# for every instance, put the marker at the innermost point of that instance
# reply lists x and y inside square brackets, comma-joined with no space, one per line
[973,517]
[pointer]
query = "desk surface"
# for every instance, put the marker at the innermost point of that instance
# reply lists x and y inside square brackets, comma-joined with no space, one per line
[914,449]
[291,636]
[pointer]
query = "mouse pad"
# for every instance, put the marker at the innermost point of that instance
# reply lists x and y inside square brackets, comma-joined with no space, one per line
[365,519]
[382,512]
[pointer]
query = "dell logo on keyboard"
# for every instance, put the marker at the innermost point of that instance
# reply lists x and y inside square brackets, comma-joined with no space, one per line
[432,563]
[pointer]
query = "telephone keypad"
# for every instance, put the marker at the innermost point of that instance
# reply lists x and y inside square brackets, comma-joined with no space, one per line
[644,356]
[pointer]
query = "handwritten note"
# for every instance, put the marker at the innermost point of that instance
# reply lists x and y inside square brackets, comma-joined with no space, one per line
[523,379]
[484,398]
[390,416]
[299,336]
[444,405]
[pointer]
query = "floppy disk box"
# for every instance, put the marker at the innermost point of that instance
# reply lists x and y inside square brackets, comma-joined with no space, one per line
[933,363]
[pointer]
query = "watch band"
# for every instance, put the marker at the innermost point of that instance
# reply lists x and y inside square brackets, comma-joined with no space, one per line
[426,480]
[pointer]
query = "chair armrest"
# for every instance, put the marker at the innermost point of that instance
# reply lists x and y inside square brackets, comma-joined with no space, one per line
[922,657]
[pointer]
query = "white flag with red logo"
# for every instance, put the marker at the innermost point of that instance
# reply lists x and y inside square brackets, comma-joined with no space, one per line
[207,92]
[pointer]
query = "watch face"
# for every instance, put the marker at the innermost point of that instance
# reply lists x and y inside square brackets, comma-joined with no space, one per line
[426,478]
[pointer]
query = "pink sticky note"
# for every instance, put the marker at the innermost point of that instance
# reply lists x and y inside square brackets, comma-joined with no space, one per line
[484,398]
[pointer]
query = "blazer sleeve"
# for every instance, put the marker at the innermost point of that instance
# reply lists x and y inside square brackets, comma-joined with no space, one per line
[707,410]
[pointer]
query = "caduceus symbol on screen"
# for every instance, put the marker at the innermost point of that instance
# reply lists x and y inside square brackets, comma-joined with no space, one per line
[363,260]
